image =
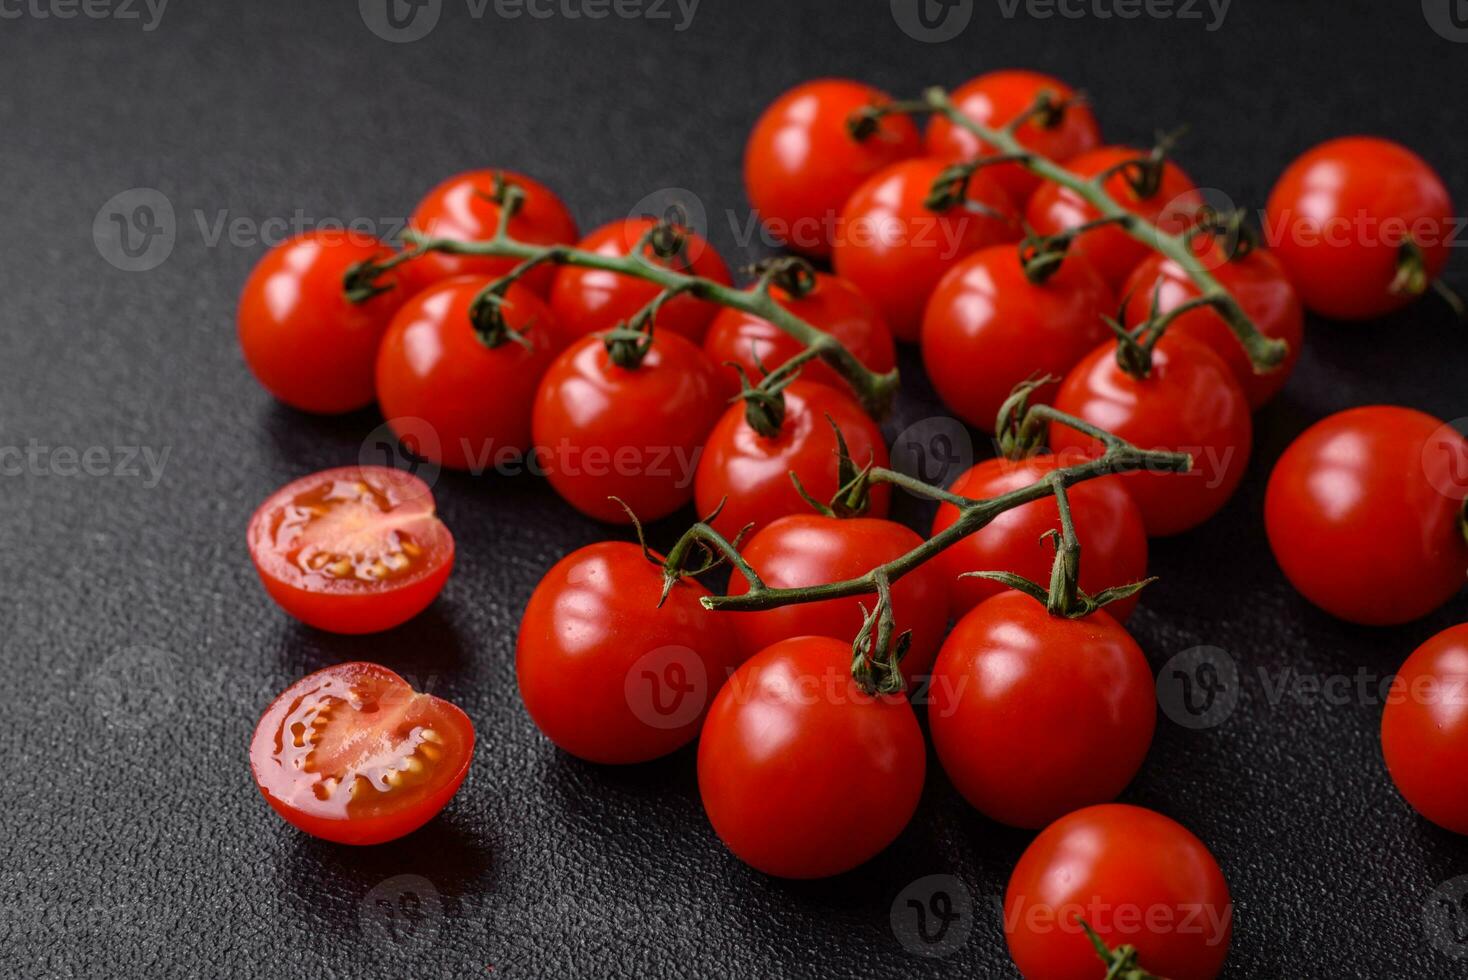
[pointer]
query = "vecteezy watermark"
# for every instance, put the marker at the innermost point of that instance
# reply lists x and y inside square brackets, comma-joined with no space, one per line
[404,21]
[1199,688]
[668,687]
[1122,919]
[137,687]
[934,450]
[678,206]
[1210,13]
[1445,917]
[933,917]
[932,21]
[147,13]
[1448,17]
[36,458]
[1444,460]
[401,915]
[135,229]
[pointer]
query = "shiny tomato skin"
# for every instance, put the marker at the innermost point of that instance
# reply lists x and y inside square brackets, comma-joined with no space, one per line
[803,774]
[636,433]
[894,249]
[1339,215]
[304,341]
[1424,729]
[401,553]
[1114,253]
[1189,403]
[432,367]
[352,754]
[834,305]
[801,163]
[1257,282]
[994,99]
[1364,512]
[1034,715]
[987,327]
[463,208]
[810,549]
[588,301]
[1137,878]
[750,473]
[1107,522]
[597,657]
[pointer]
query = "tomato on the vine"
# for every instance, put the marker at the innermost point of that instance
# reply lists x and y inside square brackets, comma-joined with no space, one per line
[608,670]
[435,372]
[995,99]
[802,162]
[355,549]
[1107,523]
[1034,715]
[1135,877]
[1364,514]
[1189,403]
[988,327]
[589,301]
[602,430]
[305,341]
[802,773]
[353,754]
[1424,729]
[1345,214]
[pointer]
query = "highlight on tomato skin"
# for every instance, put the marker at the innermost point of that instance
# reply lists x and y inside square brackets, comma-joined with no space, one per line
[357,549]
[352,754]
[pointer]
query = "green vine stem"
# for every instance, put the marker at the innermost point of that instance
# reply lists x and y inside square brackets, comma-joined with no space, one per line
[1121,962]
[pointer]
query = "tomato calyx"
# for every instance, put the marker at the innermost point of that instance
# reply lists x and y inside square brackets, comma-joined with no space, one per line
[1143,174]
[1413,279]
[950,188]
[876,654]
[853,491]
[692,555]
[791,273]
[1121,962]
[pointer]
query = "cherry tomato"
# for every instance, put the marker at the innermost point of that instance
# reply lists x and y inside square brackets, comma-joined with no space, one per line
[987,327]
[634,433]
[1256,281]
[1364,514]
[1189,403]
[305,342]
[802,773]
[353,754]
[801,162]
[809,549]
[834,305]
[1107,522]
[1424,729]
[1034,715]
[352,550]
[1173,207]
[1340,216]
[466,208]
[994,99]
[589,301]
[475,400]
[1134,876]
[607,673]
[895,249]
[750,473]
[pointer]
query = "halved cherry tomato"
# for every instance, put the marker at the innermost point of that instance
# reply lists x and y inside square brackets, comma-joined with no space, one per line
[352,754]
[802,773]
[1424,729]
[305,342]
[352,550]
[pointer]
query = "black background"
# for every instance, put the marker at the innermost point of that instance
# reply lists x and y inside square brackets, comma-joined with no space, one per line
[138,648]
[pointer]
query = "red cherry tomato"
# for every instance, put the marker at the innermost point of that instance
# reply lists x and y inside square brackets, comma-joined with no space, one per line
[994,99]
[1424,729]
[802,773]
[1114,253]
[895,249]
[606,672]
[354,755]
[834,305]
[352,550]
[476,400]
[1364,513]
[634,433]
[750,473]
[1034,715]
[1189,403]
[801,162]
[1259,284]
[1107,522]
[987,327]
[305,342]
[589,301]
[1340,216]
[1134,876]
[809,549]
[466,208]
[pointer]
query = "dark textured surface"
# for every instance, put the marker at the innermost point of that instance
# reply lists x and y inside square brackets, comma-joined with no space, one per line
[138,648]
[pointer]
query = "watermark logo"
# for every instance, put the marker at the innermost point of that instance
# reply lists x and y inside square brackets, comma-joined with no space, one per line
[135,230]
[400,21]
[137,687]
[678,206]
[405,443]
[1199,688]
[148,13]
[1445,917]
[935,450]
[1448,17]
[933,916]
[932,21]
[1210,12]
[35,458]
[1445,459]
[668,687]
[403,914]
